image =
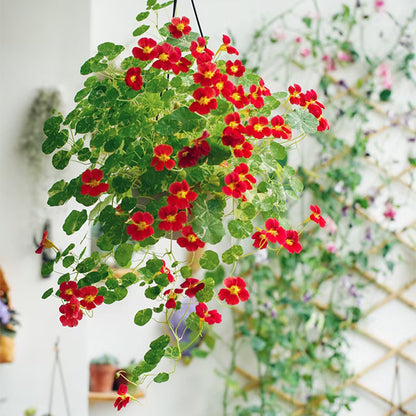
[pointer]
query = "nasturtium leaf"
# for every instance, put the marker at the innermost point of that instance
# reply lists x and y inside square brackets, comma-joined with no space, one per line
[47,268]
[143,316]
[123,254]
[142,368]
[248,210]
[47,293]
[128,279]
[111,283]
[240,229]
[193,322]
[218,274]
[154,265]
[186,271]
[110,50]
[257,344]
[154,356]
[207,293]
[232,254]
[86,265]
[84,154]
[301,119]
[74,221]
[140,30]
[54,141]
[209,260]
[196,352]
[279,152]
[52,125]
[121,184]
[160,343]
[296,184]
[128,204]
[61,159]
[141,16]
[64,278]
[152,292]
[161,378]
[161,279]
[67,261]
[81,94]
[120,292]
[187,119]
[85,125]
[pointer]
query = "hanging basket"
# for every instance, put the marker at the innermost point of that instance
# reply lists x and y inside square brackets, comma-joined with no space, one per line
[6,349]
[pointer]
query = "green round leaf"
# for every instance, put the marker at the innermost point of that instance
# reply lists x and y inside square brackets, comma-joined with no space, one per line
[209,260]
[143,316]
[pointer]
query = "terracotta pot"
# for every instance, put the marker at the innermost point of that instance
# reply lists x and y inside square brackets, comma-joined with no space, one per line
[6,349]
[102,377]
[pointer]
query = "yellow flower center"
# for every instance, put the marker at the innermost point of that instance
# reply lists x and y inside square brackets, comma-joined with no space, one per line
[233,124]
[171,218]
[234,68]
[236,96]
[133,78]
[258,127]
[147,49]
[163,57]
[163,158]
[289,242]
[181,194]
[192,238]
[208,74]
[89,298]
[204,100]
[220,85]
[234,290]
[93,183]
[200,49]
[180,27]
[142,225]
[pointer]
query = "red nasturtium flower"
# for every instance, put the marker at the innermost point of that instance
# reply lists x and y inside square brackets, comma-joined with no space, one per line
[172,295]
[181,195]
[323,124]
[134,79]
[199,50]
[204,100]
[192,286]
[226,46]
[71,312]
[188,156]
[255,96]
[146,50]
[172,219]
[181,66]
[123,397]
[45,243]
[210,317]
[166,56]
[291,244]
[90,297]
[68,289]
[242,171]
[260,239]
[207,74]
[235,68]
[223,85]
[190,240]
[258,127]
[274,232]
[234,291]
[91,183]
[316,215]
[234,186]
[279,129]
[179,27]
[310,101]
[243,149]
[165,270]
[263,90]
[294,94]
[141,227]
[237,97]
[162,158]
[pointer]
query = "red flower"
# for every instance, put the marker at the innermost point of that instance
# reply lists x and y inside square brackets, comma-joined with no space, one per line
[223,86]
[258,127]
[199,51]
[210,317]
[190,240]
[280,130]
[323,124]
[141,227]
[133,78]
[172,218]
[235,291]
[71,313]
[188,156]
[172,296]
[91,183]
[123,398]
[45,243]
[275,233]
[179,27]
[202,144]
[316,215]
[68,289]
[204,100]
[162,157]
[181,195]
[233,122]
[207,74]
[181,66]
[234,186]
[165,270]
[192,286]
[263,90]
[237,97]
[242,171]
[294,94]
[260,239]
[90,297]
[226,47]
[309,100]
[291,244]
[166,56]
[146,50]
[243,149]
[235,68]
[255,96]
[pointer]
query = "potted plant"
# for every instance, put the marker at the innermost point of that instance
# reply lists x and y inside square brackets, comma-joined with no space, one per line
[182,143]
[102,372]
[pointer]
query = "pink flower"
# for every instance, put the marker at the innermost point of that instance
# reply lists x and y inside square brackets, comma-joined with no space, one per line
[384,72]
[379,5]
[389,212]
[344,56]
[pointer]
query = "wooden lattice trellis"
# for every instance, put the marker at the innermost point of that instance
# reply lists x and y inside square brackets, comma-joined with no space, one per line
[391,351]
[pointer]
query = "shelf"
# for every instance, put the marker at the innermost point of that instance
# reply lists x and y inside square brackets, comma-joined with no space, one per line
[95,396]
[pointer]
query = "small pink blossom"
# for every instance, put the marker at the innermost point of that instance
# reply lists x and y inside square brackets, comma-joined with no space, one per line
[384,72]
[331,248]
[379,5]
[298,39]
[277,34]
[329,63]
[389,212]
[305,52]
[343,56]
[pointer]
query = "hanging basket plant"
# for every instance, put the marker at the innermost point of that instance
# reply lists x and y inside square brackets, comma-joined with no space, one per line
[174,138]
